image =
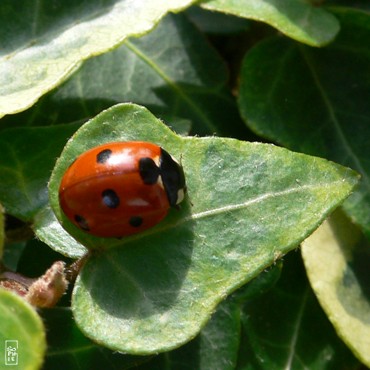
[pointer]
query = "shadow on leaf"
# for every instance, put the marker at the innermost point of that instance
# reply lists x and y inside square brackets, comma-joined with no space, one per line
[144,276]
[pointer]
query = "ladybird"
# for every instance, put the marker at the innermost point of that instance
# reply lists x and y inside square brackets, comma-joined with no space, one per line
[121,188]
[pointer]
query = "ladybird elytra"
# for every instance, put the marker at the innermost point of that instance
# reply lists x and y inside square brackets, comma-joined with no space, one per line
[121,188]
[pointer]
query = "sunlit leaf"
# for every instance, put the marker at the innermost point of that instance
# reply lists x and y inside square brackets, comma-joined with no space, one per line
[173,71]
[297,19]
[155,290]
[316,101]
[43,45]
[22,330]
[337,258]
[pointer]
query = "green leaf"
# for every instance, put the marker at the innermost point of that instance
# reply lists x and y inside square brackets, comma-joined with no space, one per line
[12,253]
[43,45]
[21,325]
[215,348]
[37,258]
[218,345]
[286,328]
[220,333]
[216,22]
[337,258]
[69,349]
[173,71]
[261,284]
[154,291]
[2,232]
[297,19]
[360,4]
[47,228]
[266,331]
[28,155]
[316,101]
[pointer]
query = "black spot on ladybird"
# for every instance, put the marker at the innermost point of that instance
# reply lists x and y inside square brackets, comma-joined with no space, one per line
[136,221]
[103,156]
[82,222]
[110,198]
[148,170]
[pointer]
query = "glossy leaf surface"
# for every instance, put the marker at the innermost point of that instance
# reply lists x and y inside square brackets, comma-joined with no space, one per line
[173,71]
[21,329]
[337,257]
[297,19]
[44,46]
[316,101]
[146,288]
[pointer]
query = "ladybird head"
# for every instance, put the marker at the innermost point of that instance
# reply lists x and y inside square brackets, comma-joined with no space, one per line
[173,178]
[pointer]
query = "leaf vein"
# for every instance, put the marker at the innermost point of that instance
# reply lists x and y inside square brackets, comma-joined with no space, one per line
[296,331]
[235,207]
[181,93]
[230,208]
[335,121]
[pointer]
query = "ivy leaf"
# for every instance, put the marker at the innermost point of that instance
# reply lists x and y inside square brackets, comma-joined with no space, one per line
[68,348]
[173,71]
[337,257]
[25,164]
[22,329]
[215,348]
[329,117]
[154,291]
[59,36]
[217,23]
[2,231]
[297,19]
[275,329]
[47,229]
[286,328]
[218,345]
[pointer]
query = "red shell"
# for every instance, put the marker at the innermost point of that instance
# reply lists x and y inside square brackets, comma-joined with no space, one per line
[103,191]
